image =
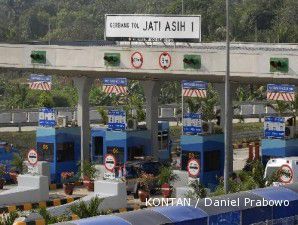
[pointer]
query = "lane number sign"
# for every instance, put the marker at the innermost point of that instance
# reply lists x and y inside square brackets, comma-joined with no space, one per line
[165,60]
[193,167]
[137,60]
[110,162]
[32,157]
[287,175]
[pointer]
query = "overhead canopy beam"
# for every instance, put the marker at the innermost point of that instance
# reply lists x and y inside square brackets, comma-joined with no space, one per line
[250,63]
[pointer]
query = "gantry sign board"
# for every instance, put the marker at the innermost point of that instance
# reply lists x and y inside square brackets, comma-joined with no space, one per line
[130,27]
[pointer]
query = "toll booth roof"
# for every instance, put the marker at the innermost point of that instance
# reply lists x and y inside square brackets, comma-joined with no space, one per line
[276,193]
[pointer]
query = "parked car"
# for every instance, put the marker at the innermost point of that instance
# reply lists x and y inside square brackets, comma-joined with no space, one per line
[134,171]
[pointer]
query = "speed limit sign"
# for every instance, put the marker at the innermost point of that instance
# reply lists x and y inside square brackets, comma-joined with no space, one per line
[287,174]
[110,162]
[137,60]
[193,167]
[165,60]
[32,157]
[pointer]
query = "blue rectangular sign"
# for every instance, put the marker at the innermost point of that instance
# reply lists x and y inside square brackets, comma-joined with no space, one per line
[117,119]
[274,127]
[199,85]
[115,81]
[285,88]
[192,123]
[47,117]
[40,78]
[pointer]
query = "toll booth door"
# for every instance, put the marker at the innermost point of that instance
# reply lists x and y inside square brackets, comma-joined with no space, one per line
[98,149]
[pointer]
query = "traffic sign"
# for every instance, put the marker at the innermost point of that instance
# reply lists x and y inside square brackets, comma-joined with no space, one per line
[47,117]
[287,175]
[110,162]
[117,119]
[137,60]
[165,60]
[32,157]
[193,167]
[274,127]
[192,123]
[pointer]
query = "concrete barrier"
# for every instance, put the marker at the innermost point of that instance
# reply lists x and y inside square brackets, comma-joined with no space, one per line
[113,193]
[5,117]
[30,189]
[33,117]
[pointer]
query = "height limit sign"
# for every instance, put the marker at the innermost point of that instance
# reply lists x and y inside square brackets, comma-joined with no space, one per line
[165,60]
[137,60]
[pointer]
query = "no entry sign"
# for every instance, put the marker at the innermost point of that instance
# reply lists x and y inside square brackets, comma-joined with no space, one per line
[137,60]
[32,157]
[193,167]
[110,162]
[287,174]
[165,60]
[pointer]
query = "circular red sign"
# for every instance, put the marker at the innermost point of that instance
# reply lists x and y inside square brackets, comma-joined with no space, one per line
[137,60]
[165,60]
[32,157]
[110,162]
[193,167]
[284,179]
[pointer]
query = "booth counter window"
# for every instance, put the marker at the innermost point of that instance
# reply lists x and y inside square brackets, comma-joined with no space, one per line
[65,152]
[211,161]
[45,151]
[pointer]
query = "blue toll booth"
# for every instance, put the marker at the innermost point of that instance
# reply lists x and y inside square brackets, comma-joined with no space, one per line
[6,155]
[126,145]
[278,148]
[209,151]
[61,147]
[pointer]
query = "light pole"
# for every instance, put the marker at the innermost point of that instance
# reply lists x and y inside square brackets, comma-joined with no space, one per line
[228,112]
[182,7]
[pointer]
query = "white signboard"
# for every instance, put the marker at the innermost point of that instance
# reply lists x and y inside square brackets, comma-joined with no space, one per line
[109,175]
[130,27]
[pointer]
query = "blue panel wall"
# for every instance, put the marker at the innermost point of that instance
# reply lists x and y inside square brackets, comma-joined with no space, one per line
[203,144]
[273,148]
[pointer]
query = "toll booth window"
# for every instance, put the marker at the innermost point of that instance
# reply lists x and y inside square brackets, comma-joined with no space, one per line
[45,151]
[98,146]
[65,152]
[117,152]
[163,140]
[211,161]
[136,151]
[186,156]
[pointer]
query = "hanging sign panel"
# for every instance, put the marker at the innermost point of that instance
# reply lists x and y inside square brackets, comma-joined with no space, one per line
[194,89]
[40,82]
[115,86]
[274,127]
[131,27]
[281,92]
[192,123]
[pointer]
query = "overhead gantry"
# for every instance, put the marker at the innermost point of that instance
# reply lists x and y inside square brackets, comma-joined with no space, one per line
[250,63]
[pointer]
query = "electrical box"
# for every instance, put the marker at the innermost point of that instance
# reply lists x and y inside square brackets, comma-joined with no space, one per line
[279,65]
[192,61]
[38,57]
[112,59]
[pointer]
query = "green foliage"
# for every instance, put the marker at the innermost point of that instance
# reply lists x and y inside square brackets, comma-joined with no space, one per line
[2,171]
[196,191]
[166,175]
[204,105]
[88,170]
[8,219]
[103,114]
[85,210]
[17,163]
[49,219]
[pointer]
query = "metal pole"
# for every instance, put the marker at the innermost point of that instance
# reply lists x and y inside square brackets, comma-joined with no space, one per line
[182,6]
[228,112]
[182,107]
